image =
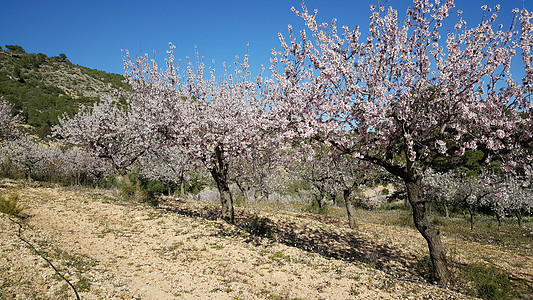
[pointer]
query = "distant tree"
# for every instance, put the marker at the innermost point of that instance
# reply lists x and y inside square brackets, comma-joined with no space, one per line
[104,131]
[62,57]
[15,48]
[29,155]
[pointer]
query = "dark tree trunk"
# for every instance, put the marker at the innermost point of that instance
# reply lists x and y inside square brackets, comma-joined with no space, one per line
[182,186]
[334,198]
[499,219]
[471,212]
[518,215]
[430,233]
[319,201]
[350,211]
[258,194]
[220,175]
[243,191]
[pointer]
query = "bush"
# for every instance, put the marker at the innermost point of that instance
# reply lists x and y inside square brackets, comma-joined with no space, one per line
[315,208]
[127,190]
[489,282]
[10,205]
[134,191]
[15,48]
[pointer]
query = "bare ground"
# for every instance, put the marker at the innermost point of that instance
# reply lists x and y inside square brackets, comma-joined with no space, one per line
[110,249]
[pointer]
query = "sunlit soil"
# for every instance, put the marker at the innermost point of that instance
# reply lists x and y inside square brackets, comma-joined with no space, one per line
[111,248]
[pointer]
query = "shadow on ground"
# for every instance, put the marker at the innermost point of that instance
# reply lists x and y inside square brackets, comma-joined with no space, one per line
[339,243]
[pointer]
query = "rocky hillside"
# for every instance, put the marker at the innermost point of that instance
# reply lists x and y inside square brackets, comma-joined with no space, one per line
[43,88]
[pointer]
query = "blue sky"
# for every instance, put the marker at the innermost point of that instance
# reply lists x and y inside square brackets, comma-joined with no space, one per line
[92,33]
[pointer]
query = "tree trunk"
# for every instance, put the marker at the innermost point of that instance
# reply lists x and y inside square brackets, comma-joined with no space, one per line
[499,219]
[430,233]
[350,211]
[319,201]
[518,215]
[446,209]
[220,175]
[471,212]
[257,194]
[334,198]
[243,191]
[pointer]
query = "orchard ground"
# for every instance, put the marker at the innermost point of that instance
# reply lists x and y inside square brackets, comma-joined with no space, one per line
[112,248]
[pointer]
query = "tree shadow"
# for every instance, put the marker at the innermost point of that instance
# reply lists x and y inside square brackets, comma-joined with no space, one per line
[180,207]
[328,241]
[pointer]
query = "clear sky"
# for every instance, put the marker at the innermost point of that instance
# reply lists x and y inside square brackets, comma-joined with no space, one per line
[92,33]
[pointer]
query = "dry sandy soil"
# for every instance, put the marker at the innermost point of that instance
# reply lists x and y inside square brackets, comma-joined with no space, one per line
[115,249]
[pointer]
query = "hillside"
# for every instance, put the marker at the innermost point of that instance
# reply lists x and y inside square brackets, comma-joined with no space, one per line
[43,88]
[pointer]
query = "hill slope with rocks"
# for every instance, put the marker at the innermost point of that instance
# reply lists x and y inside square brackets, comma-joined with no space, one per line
[42,88]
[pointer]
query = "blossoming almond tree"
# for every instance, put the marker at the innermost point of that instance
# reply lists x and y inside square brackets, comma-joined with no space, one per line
[403,96]
[104,130]
[211,121]
[168,165]
[261,172]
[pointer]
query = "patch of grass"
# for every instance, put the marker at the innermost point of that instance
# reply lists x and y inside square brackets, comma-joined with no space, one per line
[79,262]
[403,218]
[486,231]
[487,282]
[269,295]
[10,205]
[83,284]
[395,205]
[217,247]
[279,255]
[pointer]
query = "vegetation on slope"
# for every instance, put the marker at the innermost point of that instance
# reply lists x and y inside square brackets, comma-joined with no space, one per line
[42,88]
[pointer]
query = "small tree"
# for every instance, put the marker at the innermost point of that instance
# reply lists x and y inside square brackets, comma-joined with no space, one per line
[62,57]
[104,130]
[15,49]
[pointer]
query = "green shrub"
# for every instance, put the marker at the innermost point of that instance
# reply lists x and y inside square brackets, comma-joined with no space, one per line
[10,205]
[488,282]
[317,209]
[127,190]
[135,192]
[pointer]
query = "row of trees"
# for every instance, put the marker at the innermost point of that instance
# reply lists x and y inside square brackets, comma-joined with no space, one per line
[400,100]
[499,195]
